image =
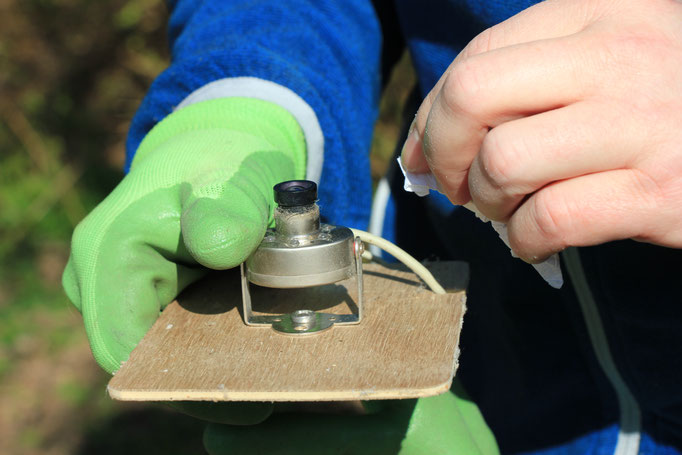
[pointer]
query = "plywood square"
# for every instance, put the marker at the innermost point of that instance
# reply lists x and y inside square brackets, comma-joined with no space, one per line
[200,348]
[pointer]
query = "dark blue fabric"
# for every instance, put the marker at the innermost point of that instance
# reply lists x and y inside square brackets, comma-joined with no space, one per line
[649,446]
[598,442]
[526,356]
[436,30]
[328,52]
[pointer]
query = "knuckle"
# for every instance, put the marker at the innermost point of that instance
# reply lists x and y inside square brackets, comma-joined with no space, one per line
[87,236]
[648,191]
[81,234]
[552,217]
[633,49]
[480,44]
[542,227]
[502,161]
[462,87]
[589,11]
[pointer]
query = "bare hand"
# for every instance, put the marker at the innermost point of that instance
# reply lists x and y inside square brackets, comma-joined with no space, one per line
[564,121]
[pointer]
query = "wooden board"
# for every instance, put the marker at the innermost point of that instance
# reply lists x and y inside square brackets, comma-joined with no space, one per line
[200,348]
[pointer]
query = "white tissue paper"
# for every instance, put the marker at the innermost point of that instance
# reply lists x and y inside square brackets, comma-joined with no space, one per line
[420,184]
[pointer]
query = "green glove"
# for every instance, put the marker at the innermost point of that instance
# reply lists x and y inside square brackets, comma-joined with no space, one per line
[199,193]
[445,424]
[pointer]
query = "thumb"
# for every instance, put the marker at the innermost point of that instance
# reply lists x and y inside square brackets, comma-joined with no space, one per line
[220,233]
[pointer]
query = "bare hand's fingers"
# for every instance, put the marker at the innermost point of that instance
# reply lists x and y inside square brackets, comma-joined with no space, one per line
[489,89]
[576,181]
[587,210]
[519,157]
[539,22]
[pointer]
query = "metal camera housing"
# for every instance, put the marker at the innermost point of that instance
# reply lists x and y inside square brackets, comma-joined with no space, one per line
[302,252]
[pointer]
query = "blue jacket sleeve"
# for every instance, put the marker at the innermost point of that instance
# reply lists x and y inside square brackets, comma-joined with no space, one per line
[326,51]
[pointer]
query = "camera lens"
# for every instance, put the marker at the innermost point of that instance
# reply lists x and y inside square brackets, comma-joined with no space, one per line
[295,193]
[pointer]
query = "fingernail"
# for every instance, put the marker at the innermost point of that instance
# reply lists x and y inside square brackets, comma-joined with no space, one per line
[411,143]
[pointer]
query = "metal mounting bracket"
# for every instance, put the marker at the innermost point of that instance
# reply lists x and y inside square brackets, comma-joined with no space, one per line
[305,322]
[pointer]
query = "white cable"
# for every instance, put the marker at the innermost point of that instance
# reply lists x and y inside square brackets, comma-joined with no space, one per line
[376,219]
[404,257]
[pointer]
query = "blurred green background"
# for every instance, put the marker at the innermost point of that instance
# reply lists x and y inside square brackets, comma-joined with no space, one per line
[72,73]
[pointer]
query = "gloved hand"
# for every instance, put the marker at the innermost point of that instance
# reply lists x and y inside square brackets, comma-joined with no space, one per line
[199,193]
[445,424]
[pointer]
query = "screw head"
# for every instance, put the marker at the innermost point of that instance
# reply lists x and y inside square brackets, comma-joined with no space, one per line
[303,317]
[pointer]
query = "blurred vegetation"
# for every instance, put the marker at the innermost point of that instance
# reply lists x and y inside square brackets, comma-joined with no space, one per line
[72,73]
